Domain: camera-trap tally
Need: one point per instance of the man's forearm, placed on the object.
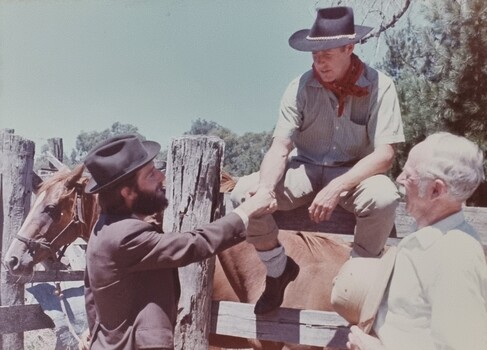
(271, 170)
(274, 164)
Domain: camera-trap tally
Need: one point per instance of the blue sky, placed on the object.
(71, 66)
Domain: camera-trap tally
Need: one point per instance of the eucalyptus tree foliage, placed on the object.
(86, 140)
(243, 154)
(438, 63)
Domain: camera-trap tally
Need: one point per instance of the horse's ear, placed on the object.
(74, 176)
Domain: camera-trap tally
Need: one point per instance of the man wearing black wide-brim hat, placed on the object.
(131, 280)
(342, 120)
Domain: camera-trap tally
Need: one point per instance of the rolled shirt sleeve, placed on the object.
(386, 125)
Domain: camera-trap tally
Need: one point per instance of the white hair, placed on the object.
(455, 160)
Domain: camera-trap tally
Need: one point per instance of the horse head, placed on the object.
(61, 212)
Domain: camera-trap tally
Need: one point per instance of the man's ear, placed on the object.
(128, 193)
(439, 188)
(349, 48)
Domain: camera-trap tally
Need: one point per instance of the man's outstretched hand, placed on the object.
(261, 203)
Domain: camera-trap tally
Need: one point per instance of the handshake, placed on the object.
(262, 202)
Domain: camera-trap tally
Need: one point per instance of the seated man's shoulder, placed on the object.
(375, 76)
(462, 245)
(302, 80)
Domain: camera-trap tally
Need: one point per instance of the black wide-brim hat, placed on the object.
(113, 160)
(334, 27)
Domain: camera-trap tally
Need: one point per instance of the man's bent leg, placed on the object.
(281, 269)
(262, 233)
(374, 202)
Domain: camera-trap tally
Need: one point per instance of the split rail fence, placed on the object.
(193, 189)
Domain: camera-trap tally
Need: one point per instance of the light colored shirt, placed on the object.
(309, 117)
(437, 298)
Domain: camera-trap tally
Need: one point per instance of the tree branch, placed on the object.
(383, 27)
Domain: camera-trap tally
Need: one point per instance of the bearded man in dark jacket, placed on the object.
(131, 280)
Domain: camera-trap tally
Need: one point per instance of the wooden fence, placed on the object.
(306, 327)
(16, 183)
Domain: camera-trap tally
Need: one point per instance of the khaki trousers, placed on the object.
(373, 202)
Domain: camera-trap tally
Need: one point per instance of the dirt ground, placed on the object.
(43, 339)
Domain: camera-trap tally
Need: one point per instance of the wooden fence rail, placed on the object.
(305, 327)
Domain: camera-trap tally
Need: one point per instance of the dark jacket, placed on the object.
(131, 281)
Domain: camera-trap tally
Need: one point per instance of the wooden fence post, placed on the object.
(16, 163)
(55, 145)
(192, 187)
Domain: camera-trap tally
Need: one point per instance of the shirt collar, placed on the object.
(428, 235)
(362, 81)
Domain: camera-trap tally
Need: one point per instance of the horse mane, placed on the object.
(61, 176)
(227, 183)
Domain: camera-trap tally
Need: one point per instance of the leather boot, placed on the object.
(273, 294)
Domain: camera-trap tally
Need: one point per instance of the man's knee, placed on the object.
(262, 232)
(377, 194)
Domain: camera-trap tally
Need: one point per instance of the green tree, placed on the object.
(87, 139)
(249, 152)
(439, 69)
(410, 66)
(243, 154)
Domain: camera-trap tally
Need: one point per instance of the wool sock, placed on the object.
(274, 260)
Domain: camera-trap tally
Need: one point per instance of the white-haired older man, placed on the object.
(437, 296)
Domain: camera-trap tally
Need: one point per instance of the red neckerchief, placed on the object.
(346, 86)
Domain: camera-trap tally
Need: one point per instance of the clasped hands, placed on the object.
(260, 202)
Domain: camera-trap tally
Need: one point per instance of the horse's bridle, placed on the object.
(77, 220)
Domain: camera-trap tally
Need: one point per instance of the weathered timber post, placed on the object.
(55, 145)
(192, 187)
(16, 163)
